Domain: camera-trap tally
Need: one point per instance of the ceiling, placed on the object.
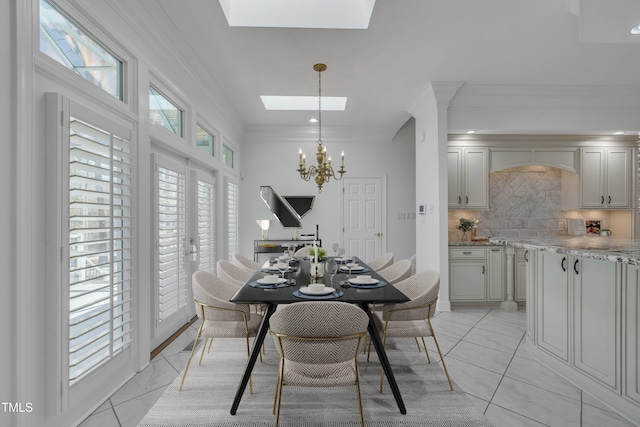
(384, 69)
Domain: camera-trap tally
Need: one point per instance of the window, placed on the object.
(100, 247)
(232, 219)
(68, 44)
(227, 155)
(205, 140)
(164, 113)
(207, 224)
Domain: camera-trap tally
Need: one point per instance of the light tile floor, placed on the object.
(485, 355)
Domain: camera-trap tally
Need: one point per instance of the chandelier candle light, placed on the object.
(323, 171)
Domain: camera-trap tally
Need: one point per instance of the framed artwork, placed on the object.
(592, 226)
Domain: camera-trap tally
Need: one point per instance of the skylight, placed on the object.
(345, 14)
(329, 103)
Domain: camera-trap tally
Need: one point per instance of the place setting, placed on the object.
(272, 281)
(362, 282)
(317, 291)
(353, 268)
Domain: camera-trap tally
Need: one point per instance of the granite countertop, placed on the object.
(474, 243)
(596, 247)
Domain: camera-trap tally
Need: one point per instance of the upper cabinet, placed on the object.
(606, 178)
(468, 173)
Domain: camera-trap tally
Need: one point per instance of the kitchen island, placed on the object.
(583, 316)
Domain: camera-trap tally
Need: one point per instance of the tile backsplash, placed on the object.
(523, 202)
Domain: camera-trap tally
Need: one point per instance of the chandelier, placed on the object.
(323, 171)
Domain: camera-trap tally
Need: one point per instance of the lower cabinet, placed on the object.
(584, 323)
(552, 303)
(596, 316)
(476, 273)
(631, 355)
(521, 262)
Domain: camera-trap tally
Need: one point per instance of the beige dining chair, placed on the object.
(397, 271)
(232, 273)
(318, 343)
(245, 263)
(383, 261)
(412, 319)
(219, 318)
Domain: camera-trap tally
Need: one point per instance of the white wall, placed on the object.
(268, 159)
(7, 211)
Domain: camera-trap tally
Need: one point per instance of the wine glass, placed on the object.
(283, 267)
(335, 248)
(332, 268)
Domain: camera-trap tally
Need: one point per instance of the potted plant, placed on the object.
(466, 225)
(322, 254)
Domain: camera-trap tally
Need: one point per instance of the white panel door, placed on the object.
(364, 228)
(592, 178)
(597, 319)
(619, 178)
(172, 279)
(552, 306)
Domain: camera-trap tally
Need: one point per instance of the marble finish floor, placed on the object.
(485, 355)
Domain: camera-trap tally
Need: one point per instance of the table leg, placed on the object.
(382, 356)
(257, 346)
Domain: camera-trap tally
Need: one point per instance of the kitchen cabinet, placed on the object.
(631, 316)
(596, 316)
(476, 274)
(606, 177)
(495, 270)
(552, 305)
(521, 273)
(468, 176)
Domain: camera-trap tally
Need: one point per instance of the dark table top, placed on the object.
(284, 295)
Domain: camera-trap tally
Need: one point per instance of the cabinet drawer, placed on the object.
(468, 252)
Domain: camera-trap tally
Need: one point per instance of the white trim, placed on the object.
(24, 212)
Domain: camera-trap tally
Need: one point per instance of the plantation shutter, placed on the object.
(232, 219)
(207, 225)
(100, 247)
(172, 235)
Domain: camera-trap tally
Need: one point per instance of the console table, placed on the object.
(278, 246)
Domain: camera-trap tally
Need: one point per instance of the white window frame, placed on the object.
(51, 68)
(62, 398)
(231, 247)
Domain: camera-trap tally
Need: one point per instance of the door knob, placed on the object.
(378, 234)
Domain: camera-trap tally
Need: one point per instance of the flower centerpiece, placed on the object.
(466, 225)
(322, 254)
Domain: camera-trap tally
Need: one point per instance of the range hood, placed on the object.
(288, 210)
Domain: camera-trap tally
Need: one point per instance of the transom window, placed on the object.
(205, 140)
(163, 112)
(68, 44)
(227, 156)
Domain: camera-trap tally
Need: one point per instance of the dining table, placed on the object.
(259, 290)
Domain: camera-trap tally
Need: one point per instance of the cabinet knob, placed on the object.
(609, 199)
(575, 267)
(564, 259)
(602, 200)
(466, 200)
(483, 269)
(459, 200)
(467, 252)
(525, 255)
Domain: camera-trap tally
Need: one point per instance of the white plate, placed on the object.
(326, 291)
(353, 268)
(271, 280)
(363, 281)
(344, 259)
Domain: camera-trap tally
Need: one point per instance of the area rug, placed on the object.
(209, 389)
